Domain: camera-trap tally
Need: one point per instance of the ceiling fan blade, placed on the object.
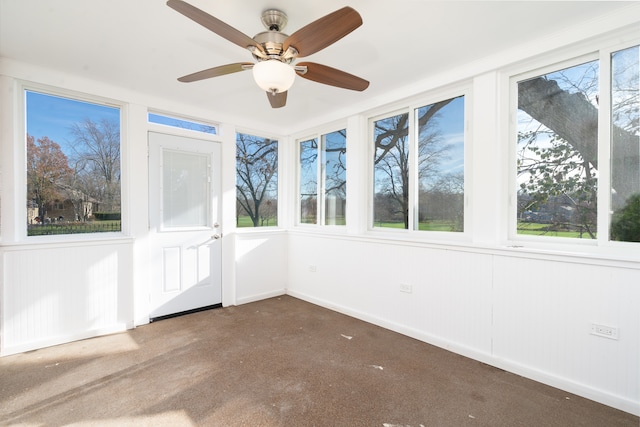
(277, 100)
(222, 29)
(331, 76)
(324, 31)
(216, 71)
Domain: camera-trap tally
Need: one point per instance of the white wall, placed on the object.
(64, 292)
(522, 312)
(542, 312)
(261, 265)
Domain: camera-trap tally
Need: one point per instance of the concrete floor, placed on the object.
(278, 362)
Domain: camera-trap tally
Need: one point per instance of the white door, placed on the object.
(184, 205)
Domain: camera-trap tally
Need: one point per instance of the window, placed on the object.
(441, 165)
(256, 181)
(73, 166)
(186, 187)
(561, 150)
(323, 184)
(391, 171)
(182, 123)
(557, 127)
(309, 181)
(419, 168)
(625, 145)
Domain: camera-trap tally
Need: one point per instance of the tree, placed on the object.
(444, 201)
(391, 165)
(97, 161)
(256, 176)
(625, 118)
(48, 173)
(336, 153)
(573, 116)
(559, 179)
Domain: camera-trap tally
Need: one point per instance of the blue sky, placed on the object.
(451, 125)
(53, 116)
(181, 123)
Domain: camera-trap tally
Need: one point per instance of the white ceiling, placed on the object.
(143, 46)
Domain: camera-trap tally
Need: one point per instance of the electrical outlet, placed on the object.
(604, 331)
(406, 288)
(312, 269)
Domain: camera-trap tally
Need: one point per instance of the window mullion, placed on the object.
(604, 149)
(322, 173)
(413, 170)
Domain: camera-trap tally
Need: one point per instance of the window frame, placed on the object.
(462, 89)
(20, 173)
(179, 117)
(600, 51)
(279, 183)
(513, 152)
(319, 136)
(298, 210)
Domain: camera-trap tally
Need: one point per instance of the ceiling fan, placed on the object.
(275, 52)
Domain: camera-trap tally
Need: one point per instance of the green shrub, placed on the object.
(625, 225)
(106, 216)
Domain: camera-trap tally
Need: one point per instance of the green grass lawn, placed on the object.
(524, 228)
(436, 226)
(536, 229)
(388, 224)
(422, 226)
(245, 221)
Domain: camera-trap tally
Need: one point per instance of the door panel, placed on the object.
(185, 265)
(171, 280)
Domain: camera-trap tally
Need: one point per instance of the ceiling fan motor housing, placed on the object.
(272, 42)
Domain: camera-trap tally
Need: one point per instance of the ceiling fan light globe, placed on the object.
(273, 75)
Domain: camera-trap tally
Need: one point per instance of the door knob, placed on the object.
(216, 236)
